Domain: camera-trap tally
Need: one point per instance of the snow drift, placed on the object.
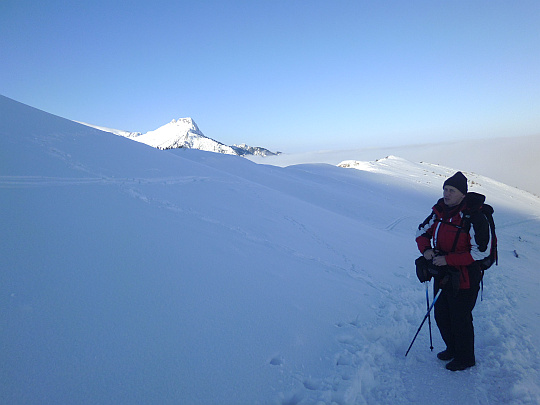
(135, 275)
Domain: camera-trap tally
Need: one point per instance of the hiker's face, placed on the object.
(452, 196)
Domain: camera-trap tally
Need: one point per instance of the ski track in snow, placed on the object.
(43, 181)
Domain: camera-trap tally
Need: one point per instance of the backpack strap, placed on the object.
(454, 246)
(466, 217)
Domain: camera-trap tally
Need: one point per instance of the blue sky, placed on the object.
(288, 75)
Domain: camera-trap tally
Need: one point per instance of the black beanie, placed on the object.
(458, 181)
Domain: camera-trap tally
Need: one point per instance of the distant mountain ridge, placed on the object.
(184, 133)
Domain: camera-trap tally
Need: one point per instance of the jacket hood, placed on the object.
(474, 200)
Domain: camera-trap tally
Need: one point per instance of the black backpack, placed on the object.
(493, 257)
(487, 211)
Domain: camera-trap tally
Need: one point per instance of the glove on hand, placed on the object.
(422, 271)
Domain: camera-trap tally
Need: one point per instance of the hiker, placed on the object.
(452, 239)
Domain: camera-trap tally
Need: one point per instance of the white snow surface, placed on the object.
(132, 275)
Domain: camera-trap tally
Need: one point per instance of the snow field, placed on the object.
(133, 275)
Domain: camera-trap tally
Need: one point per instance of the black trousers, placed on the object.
(453, 314)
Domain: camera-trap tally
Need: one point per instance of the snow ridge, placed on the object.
(244, 149)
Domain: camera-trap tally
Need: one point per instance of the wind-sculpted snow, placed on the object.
(141, 276)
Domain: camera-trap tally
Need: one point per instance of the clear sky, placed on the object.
(288, 75)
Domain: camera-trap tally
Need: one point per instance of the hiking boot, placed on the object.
(458, 365)
(445, 355)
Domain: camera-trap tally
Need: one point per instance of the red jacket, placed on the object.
(462, 244)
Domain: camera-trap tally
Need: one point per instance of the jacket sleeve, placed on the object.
(424, 233)
(480, 237)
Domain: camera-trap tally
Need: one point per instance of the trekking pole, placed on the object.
(429, 319)
(423, 320)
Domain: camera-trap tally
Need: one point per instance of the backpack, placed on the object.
(487, 211)
(493, 257)
(484, 264)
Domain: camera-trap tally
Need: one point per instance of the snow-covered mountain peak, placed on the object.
(187, 122)
(178, 126)
(184, 133)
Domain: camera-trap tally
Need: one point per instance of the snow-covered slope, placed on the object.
(135, 275)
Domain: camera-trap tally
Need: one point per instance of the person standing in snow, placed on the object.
(451, 247)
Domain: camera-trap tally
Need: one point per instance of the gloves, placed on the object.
(422, 271)
(426, 270)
